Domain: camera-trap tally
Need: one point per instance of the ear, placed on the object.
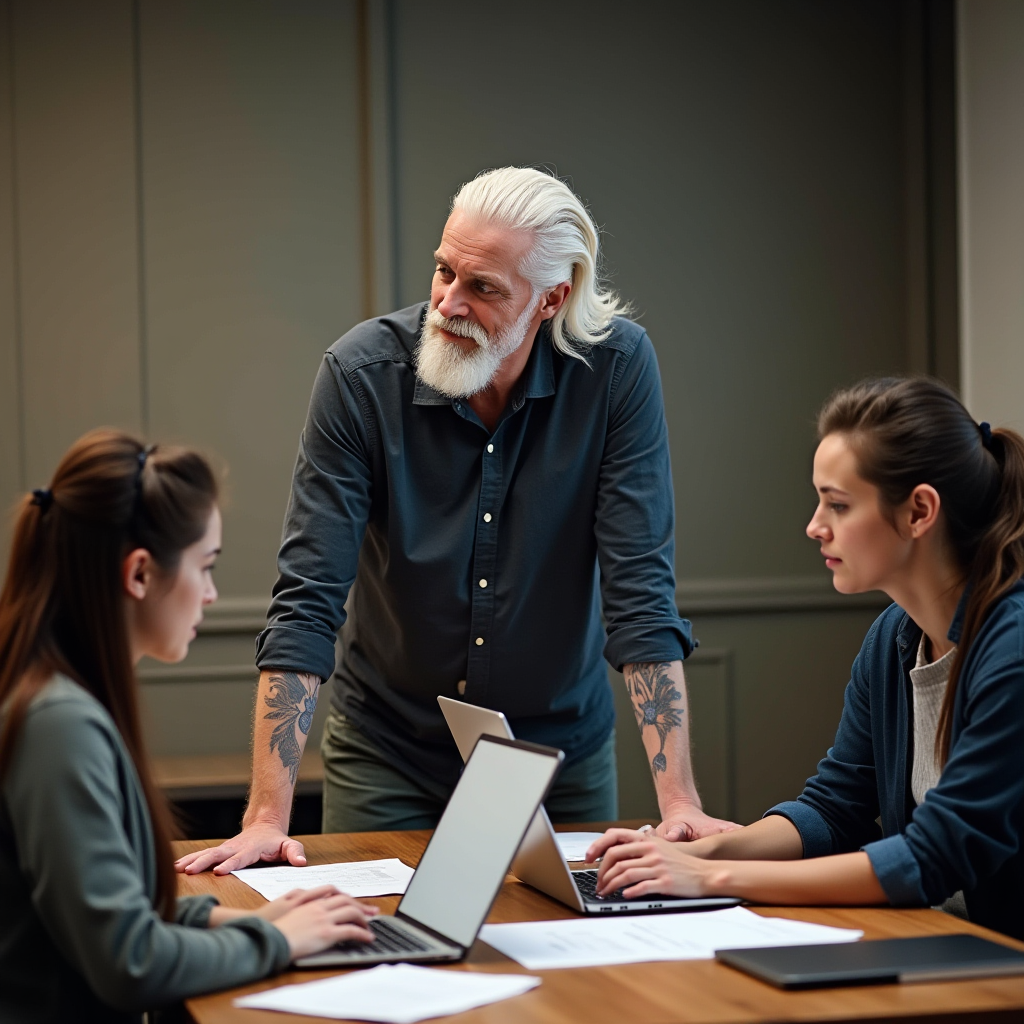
(137, 573)
(923, 507)
(554, 299)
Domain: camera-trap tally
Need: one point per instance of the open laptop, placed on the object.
(539, 862)
(465, 862)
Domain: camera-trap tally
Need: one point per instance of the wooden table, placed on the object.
(654, 993)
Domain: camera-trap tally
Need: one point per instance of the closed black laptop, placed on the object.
(878, 962)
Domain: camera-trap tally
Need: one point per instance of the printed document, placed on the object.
(396, 993)
(629, 940)
(574, 845)
(357, 878)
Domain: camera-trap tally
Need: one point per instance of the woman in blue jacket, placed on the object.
(111, 563)
(918, 500)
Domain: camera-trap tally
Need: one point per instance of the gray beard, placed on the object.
(446, 368)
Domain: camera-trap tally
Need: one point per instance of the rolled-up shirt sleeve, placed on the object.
(635, 522)
(323, 528)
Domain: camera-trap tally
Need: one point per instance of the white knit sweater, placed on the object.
(929, 683)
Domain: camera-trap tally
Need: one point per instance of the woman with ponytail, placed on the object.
(111, 563)
(920, 801)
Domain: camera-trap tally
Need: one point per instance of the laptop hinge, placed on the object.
(436, 936)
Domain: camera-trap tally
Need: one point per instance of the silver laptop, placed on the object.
(540, 862)
(465, 862)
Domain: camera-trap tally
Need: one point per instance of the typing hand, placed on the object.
(298, 897)
(257, 842)
(319, 923)
(640, 863)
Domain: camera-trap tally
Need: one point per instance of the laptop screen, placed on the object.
(465, 863)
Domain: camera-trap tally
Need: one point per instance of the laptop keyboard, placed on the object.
(586, 882)
(388, 940)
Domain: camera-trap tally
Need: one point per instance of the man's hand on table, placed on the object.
(257, 842)
(686, 822)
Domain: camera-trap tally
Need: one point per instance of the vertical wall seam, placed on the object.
(963, 184)
(140, 223)
(928, 130)
(391, 77)
(365, 144)
(19, 355)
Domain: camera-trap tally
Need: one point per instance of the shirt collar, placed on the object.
(908, 636)
(537, 381)
(957, 626)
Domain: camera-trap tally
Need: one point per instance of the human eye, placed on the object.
(441, 269)
(837, 506)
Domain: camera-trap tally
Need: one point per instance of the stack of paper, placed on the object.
(357, 878)
(621, 940)
(574, 845)
(396, 993)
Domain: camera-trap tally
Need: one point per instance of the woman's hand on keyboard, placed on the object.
(322, 921)
(642, 863)
(296, 898)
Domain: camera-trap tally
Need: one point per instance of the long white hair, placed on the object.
(566, 247)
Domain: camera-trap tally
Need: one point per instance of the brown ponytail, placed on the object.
(62, 607)
(906, 432)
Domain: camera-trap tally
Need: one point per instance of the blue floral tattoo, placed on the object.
(654, 697)
(292, 702)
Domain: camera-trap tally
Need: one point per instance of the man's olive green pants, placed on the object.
(364, 793)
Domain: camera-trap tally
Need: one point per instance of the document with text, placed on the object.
(398, 994)
(627, 940)
(357, 878)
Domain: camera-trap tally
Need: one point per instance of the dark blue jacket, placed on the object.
(967, 832)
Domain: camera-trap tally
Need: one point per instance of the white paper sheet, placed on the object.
(357, 878)
(395, 993)
(574, 845)
(621, 940)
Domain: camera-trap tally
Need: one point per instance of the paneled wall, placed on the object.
(196, 199)
(991, 88)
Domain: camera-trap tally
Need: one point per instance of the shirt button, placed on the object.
(479, 641)
(490, 448)
(461, 687)
(487, 517)
(483, 584)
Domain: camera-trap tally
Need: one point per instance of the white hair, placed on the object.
(566, 247)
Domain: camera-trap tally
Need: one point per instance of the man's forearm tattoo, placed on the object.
(291, 701)
(654, 697)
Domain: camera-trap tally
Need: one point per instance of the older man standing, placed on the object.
(477, 478)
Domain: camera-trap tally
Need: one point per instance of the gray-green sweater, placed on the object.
(79, 938)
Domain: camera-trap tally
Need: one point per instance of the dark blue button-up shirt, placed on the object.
(477, 564)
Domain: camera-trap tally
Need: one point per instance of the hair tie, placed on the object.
(43, 497)
(986, 434)
(142, 456)
(145, 454)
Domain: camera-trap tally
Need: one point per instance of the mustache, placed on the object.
(458, 326)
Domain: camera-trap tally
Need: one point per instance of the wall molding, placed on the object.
(753, 595)
(242, 672)
(235, 615)
(739, 596)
